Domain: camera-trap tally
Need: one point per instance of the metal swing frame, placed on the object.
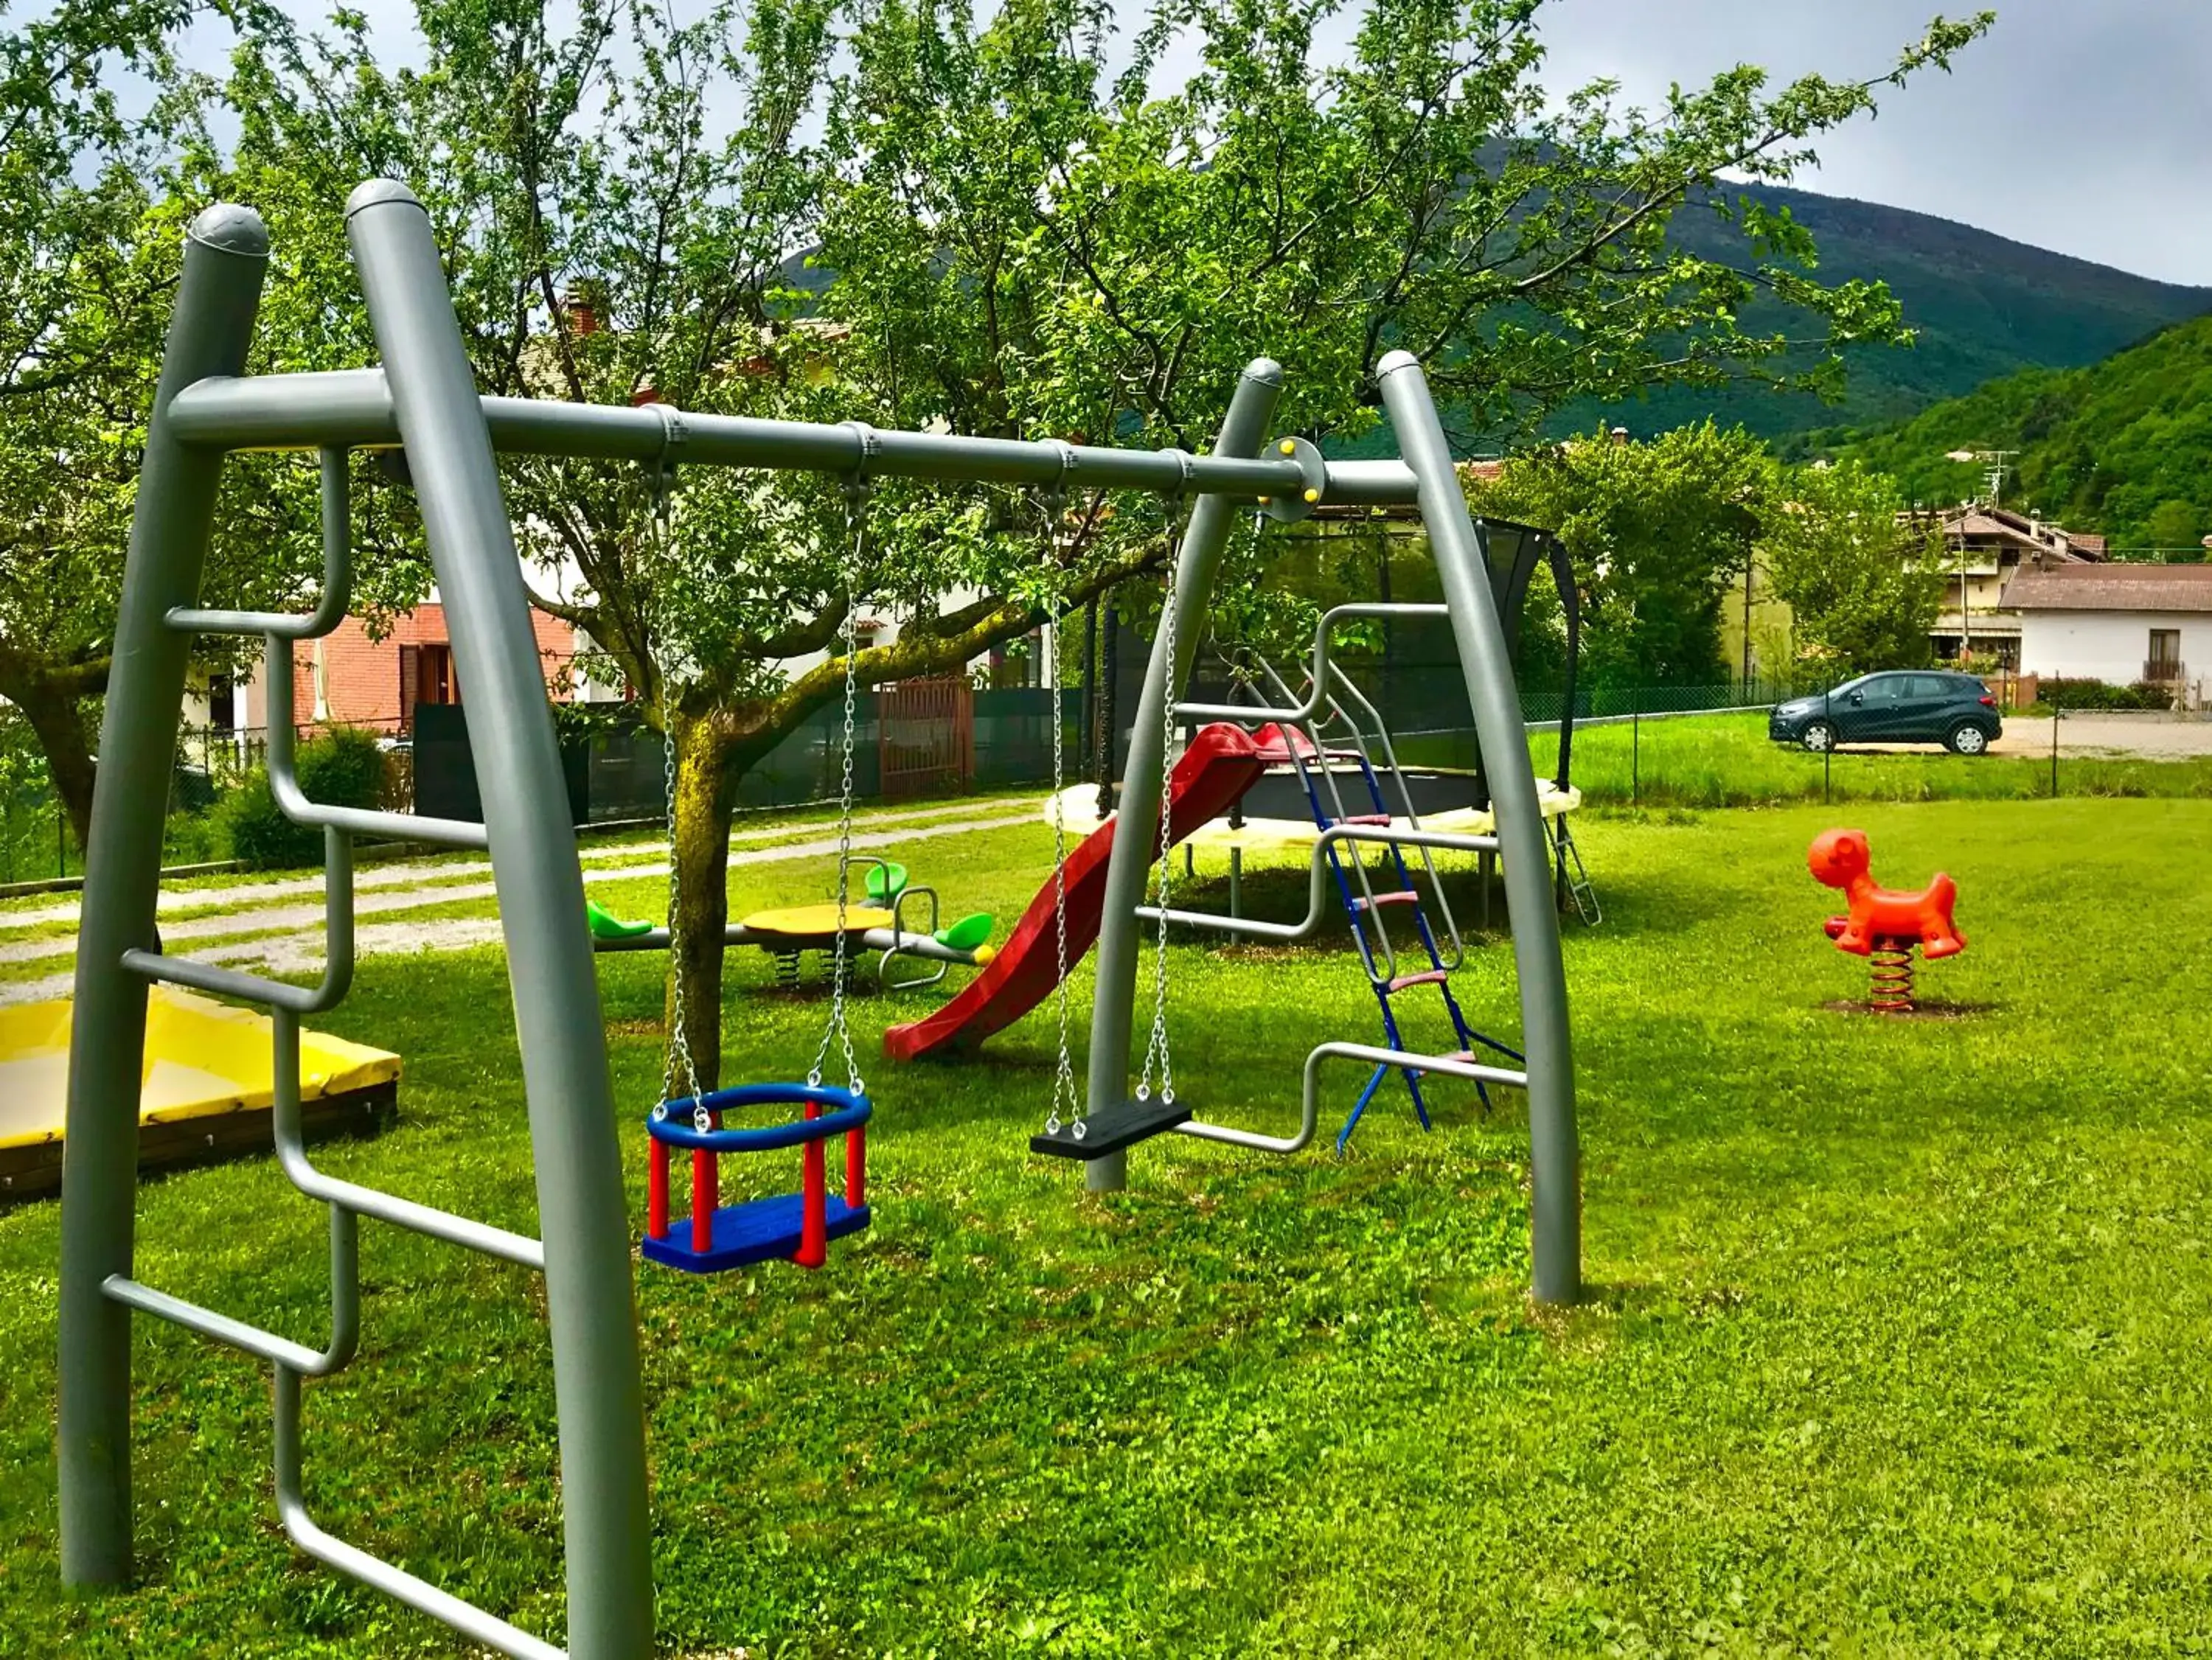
(1471, 604)
(423, 399)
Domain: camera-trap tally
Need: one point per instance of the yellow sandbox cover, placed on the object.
(202, 1058)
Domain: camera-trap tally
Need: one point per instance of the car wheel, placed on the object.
(1818, 737)
(1967, 739)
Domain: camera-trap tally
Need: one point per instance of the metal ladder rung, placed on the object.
(229, 982)
(1449, 841)
(391, 826)
(1401, 896)
(1371, 820)
(469, 1234)
(1454, 1066)
(374, 1571)
(1580, 889)
(1426, 977)
(292, 801)
(267, 1345)
(484, 1238)
(427, 1220)
(338, 575)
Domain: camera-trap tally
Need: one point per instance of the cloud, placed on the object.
(2078, 125)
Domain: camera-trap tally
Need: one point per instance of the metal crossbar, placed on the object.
(284, 781)
(355, 408)
(397, 1583)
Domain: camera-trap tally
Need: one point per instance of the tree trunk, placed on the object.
(57, 717)
(700, 840)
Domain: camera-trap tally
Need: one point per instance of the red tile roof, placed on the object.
(2110, 588)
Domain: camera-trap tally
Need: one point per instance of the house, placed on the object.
(1986, 549)
(2124, 624)
(349, 678)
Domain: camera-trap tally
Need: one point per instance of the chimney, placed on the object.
(583, 308)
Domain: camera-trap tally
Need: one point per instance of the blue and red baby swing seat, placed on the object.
(797, 1226)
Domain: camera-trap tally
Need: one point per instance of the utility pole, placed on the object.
(1750, 564)
(1998, 461)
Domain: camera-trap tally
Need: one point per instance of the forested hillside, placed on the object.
(1985, 306)
(2124, 447)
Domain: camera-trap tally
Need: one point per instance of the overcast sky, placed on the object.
(2081, 125)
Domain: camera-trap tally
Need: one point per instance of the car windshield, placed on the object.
(1850, 686)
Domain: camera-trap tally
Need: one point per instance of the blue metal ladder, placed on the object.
(1364, 908)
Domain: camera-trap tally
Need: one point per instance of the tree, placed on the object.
(2175, 528)
(1012, 240)
(1864, 587)
(1656, 530)
(93, 198)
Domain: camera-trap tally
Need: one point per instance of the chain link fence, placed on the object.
(1645, 747)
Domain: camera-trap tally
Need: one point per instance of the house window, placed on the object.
(426, 676)
(2164, 663)
(1018, 662)
(221, 708)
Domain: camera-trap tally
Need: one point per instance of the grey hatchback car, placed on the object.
(1923, 707)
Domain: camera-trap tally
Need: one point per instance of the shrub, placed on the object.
(345, 769)
(193, 838)
(2060, 693)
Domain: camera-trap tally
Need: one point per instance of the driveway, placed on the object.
(2148, 738)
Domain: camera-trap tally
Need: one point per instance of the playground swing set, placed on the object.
(422, 400)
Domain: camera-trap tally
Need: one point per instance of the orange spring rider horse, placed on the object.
(1884, 923)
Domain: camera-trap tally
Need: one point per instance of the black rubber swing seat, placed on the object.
(1111, 1128)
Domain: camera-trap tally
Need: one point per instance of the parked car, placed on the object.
(1923, 707)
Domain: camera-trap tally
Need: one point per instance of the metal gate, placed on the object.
(926, 737)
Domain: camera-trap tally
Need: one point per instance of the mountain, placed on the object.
(1985, 306)
(2124, 447)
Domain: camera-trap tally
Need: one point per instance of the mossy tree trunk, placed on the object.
(700, 854)
(53, 701)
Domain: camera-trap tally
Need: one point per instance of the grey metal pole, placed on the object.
(226, 257)
(1087, 747)
(1136, 831)
(581, 1210)
(1110, 654)
(1555, 1158)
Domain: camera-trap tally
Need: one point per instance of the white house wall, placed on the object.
(2108, 645)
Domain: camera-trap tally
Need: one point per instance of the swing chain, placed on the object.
(677, 1063)
(1053, 502)
(1156, 1047)
(858, 488)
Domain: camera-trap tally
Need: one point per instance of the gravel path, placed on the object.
(2148, 737)
(416, 872)
(2106, 736)
(299, 946)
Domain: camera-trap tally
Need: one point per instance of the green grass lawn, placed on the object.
(1898, 1339)
(1727, 760)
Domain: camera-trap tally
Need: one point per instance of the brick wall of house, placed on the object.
(357, 679)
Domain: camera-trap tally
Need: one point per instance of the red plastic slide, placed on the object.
(1221, 762)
